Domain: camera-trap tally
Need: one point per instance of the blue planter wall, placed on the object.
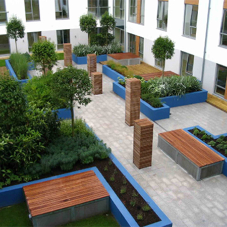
(111, 73)
(224, 170)
(83, 60)
(13, 74)
(64, 114)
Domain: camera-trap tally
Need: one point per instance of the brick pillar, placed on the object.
(91, 63)
(42, 38)
(142, 145)
(67, 54)
(96, 79)
(132, 101)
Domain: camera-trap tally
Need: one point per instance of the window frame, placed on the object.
(216, 85)
(190, 26)
(33, 38)
(121, 9)
(31, 12)
(222, 25)
(62, 18)
(4, 12)
(161, 62)
(129, 46)
(8, 45)
(98, 7)
(163, 11)
(141, 52)
(134, 14)
(142, 21)
(122, 33)
(187, 64)
(62, 38)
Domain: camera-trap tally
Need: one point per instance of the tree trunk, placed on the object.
(72, 117)
(16, 45)
(163, 68)
(89, 39)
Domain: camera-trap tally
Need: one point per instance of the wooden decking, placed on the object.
(149, 76)
(64, 192)
(122, 56)
(194, 150)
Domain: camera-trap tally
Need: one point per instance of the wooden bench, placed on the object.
(195, 157)
(63, 200)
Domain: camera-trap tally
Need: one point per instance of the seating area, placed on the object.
(193, 156)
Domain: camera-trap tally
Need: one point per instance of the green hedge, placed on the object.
(82, 50)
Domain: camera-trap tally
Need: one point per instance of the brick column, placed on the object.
(91, 63)
(42, 38)
(132, 101)
(142, 145)
(67, 54)
(96, 79)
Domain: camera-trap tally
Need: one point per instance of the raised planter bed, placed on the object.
(111, 73)
(224, 170)
(14, 194)
(151, 112)
(64, 113)
(83, 60)
(13, 74)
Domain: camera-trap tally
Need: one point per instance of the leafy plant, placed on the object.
(110, 162)
(19, 63)
(88, 24)
(220, 139)
(196, 132)
(121, 81)
(112, 178)
(44, 55)
(163, 49)
(106, 168)
(140, 217)
(73, 86)
(146, 208)
(123, 190)
(124, 180)
(153, 101)
(115, 171)
(133, 203)
(83, 50)
(134, 193)
(15, 29)
(212, 143)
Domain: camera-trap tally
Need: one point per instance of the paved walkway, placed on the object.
(184, 200)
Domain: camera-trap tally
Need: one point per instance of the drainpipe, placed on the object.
(125, 38)
(205, 46)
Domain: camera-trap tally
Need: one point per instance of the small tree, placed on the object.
(43, 54)
(72, 85)
(88, 24)
(108, 24)
(15, 29)
(163, 49)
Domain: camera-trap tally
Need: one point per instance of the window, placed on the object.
(132, 43)
(142, 13)
(158, 63)
(187, 62)
(223, 40)
(3, 13)
(220, 87)
(32, 9)
(119, 36)
(4, 44)
(132, 10)
(62, 37)
(33, 37)
(162, 16)
(61, 9)
(119, 9)
(141, 44)
(190, 20)
(97, 7)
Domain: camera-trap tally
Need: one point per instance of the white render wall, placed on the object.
(48, 24)
(214, 54)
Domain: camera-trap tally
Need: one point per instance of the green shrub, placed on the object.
(123, 70)
(19, 62)
(38, 90)
(196, 131)
(83, 50)
(153, 101)
(146, 208)
(123, 190)
(212, 143)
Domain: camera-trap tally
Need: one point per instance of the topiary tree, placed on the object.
(108, 24)
(163, 49)
(88, 24)
(43, 54)
(15, 29)
(73, 86)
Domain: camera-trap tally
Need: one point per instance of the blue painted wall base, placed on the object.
(83, 60)
(224, 170)
(64, 113)
(111, 73)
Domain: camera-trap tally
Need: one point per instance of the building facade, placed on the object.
(197, 27)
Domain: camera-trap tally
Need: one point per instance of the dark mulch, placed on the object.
(108, 169)
(209, 140)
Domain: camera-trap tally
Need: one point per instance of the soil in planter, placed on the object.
(129, 197)
(214, 143)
